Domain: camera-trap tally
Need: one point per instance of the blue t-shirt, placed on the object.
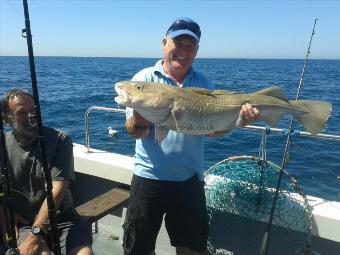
(179, 156)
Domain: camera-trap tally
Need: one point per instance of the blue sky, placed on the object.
(230, 29)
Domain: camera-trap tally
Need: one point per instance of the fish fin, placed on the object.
(176, 115)
(160, 133)
(312, 114)
(271, 119)
(207, 92)
(274, 91)
(200, 91)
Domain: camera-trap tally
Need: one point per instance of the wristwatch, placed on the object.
(36, 230)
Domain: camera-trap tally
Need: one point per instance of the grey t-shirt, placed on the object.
(27, 175)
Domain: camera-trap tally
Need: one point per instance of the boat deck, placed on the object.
(103, 171)
(108, 240)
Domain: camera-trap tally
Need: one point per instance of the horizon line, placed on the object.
(245, 58)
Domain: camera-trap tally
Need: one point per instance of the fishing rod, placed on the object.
(54, 234)
(266, 236)
(6, 194)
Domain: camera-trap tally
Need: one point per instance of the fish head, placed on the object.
(137, 94)
(151, 100)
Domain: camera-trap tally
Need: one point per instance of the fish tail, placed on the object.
(312, 114)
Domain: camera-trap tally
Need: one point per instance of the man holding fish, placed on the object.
(168, 177)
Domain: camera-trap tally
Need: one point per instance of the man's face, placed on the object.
(22, 116)
(179, 53)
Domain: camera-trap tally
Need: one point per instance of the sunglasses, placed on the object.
(183, 25)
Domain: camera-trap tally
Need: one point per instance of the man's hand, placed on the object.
(248, 114)
(31, 245)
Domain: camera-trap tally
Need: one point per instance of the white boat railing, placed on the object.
(87, 120)
(297, 132)
(264, 130)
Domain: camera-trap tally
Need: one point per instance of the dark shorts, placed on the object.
(184, 206)
(79, 234)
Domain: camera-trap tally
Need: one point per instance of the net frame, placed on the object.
(290, 191)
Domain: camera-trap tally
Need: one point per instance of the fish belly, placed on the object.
(203, 120)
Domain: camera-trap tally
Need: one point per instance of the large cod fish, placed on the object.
(201, 111)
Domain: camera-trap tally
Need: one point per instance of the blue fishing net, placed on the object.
(239, 193)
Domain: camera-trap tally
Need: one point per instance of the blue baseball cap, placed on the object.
(184, 26)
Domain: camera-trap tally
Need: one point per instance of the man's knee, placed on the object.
(82, 250)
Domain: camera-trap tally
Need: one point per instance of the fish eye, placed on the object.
(139, 87)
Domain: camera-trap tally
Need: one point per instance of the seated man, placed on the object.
(28, 181)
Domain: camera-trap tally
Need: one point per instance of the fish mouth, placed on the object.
(122, 96)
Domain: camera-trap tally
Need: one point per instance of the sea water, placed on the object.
(68, 86)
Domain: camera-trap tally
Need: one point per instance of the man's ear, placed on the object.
(164, 42)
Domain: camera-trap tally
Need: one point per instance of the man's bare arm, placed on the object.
(31, 243)
(137, 126)
(58, 193)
